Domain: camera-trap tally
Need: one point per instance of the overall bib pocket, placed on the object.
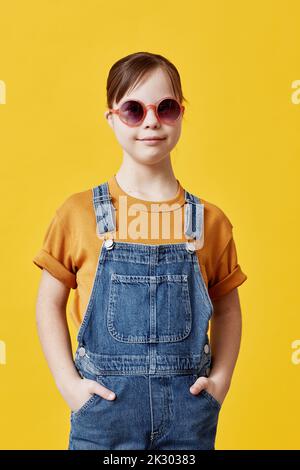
(149, 309)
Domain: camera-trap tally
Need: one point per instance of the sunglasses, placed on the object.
(133, 112)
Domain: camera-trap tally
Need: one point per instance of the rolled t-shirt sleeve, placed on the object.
(56, 252)
(227, 273)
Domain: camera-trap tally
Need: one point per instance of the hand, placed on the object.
(214, 386)
(79, 390)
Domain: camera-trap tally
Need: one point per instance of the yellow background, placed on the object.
(239, 149)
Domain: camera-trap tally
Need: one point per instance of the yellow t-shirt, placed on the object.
(71, 246)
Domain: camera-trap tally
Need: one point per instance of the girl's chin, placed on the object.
(151, 159)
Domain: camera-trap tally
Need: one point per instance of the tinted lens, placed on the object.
(168, 110)
(131, 112)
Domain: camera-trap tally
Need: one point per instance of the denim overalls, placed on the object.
(144, 336)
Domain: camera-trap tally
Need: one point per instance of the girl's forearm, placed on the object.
(56, 343)
(225, 338)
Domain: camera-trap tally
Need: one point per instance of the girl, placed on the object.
(151, 265)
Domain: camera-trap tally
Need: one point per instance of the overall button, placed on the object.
(81, 352)
(190, 247)
(109, 243)
(206, 349)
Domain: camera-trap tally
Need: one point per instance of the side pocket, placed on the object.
(95, 398)
(212, 400)
(208, 396)
(86, 405)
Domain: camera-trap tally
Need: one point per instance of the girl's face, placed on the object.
(155, 86)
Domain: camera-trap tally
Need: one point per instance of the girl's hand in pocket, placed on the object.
(80, 390)
(213, 386)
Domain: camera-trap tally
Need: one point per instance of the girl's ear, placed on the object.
(108, 117)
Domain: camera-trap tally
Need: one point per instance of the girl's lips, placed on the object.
(151, 139)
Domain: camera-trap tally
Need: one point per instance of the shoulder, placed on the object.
(75, 202)
(76, 206)
(217, 230)
(215, 218)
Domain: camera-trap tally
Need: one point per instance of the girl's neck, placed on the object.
(147, 184)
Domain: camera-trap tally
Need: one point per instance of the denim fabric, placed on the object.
(144, 336)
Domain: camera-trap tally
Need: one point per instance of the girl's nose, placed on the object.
(150, 117)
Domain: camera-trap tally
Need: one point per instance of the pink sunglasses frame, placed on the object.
(145, 107)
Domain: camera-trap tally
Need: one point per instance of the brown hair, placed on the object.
(128, 71)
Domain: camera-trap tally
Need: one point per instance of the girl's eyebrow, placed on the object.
(123, 100)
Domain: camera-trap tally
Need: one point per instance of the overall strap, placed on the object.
(106, 213)
(104, 210)
(193, 216)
